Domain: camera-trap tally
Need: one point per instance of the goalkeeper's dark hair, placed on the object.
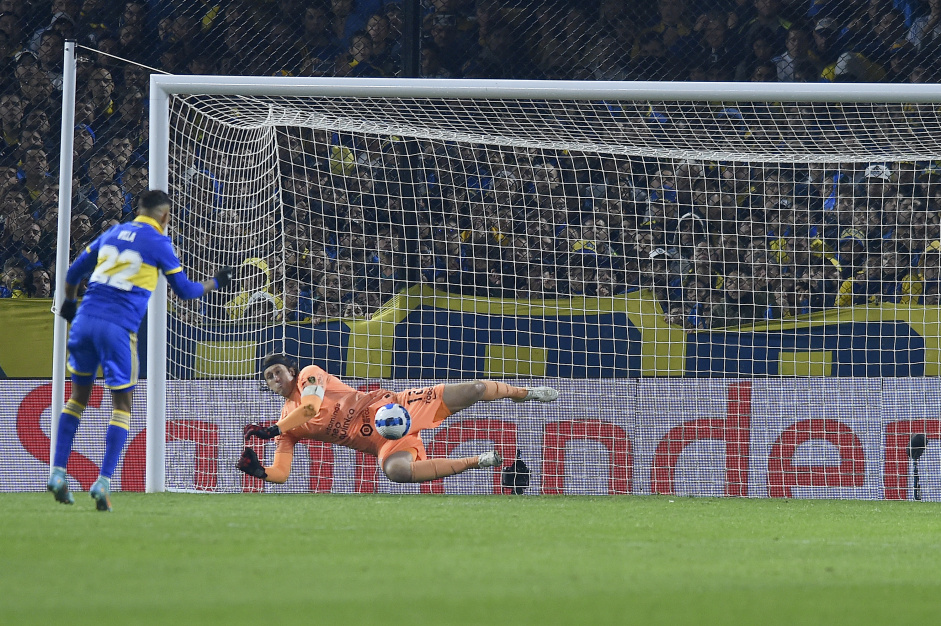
(278, 358)
(151, 200)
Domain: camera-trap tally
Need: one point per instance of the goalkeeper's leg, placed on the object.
(401, 467)
(462, 395)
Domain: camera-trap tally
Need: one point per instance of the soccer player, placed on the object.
(123, 263)
(317, 405)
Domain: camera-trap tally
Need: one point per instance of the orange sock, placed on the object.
(497, 391)
(431, 469)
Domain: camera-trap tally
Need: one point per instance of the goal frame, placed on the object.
(162, 87)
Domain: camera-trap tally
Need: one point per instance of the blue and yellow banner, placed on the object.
(422, 333)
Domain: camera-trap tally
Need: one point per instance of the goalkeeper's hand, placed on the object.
(223, 277)
(68, 309)
(250, 464)
(262, 432)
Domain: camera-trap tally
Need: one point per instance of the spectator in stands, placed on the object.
(121, 149)
(921, 285)
(888, 33)
(11, 120)
(298, 304)
(672, 28)
(136, 178)
(500, 56)
(319, 46)
(925, 29)
(357, 60)
(50, 56)
(39, 283)
(99, 93)
(386, 49)
(717, 54)
(903, 58)
(651, 60)
(35, 87)
(740, 305)
(431, 62)
(763, 73)
(10, 25)
(767, 15)
(255, 301)
(27, 251)
(797, 51)
(15, 210)
(83, 144)
(38, 120)
(758, 52)
(62, 16)
(101, 171)
(12, 280)
(35, 171)
(350, 16)
(134, 15)
(606, 59)
(111, 203)
(82, 233)
(98, 17)
(129, 124)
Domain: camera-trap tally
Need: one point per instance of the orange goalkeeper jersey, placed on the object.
(345, 416)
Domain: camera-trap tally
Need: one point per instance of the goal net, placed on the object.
(727, 286)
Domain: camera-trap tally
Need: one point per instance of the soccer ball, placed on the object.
(393, 421)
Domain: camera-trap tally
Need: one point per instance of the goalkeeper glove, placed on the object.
(223, 277)
(249, 464)
(262, 432)
(68, 309)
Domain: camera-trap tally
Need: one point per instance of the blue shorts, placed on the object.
(93, 342)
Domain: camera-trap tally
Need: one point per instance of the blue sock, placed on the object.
(68, 423)
(114, 441)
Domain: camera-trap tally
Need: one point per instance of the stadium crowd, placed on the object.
(718, 244)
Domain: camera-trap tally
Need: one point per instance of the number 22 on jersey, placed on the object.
(117, 268)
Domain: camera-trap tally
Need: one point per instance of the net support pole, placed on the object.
(59, 326)
(156, 475)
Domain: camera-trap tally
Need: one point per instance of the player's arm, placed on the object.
(183, 286)
(80, 268)
(311, 400)
(278, 471)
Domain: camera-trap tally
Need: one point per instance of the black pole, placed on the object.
(916, 447)
(411, 38)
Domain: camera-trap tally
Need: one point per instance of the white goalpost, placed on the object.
(600, 233)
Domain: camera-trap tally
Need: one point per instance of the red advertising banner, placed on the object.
(783, 438)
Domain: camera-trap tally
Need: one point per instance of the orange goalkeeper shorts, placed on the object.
(427, 408)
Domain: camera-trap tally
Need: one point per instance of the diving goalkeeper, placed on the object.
(317, 405)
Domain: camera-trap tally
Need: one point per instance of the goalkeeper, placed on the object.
(317, 405)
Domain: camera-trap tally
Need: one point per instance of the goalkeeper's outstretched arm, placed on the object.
(277, 472)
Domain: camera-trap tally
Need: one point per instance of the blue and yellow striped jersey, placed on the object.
(123, 263)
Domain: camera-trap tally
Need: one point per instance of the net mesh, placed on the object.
(404, 242)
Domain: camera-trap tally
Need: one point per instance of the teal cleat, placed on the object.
(101, 494)
(59, 486)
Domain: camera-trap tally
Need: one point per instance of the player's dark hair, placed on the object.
(151, 199)
(278, 358)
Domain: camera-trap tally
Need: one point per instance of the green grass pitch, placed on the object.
(331, 559)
